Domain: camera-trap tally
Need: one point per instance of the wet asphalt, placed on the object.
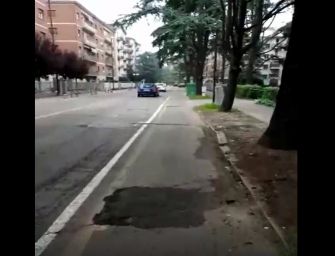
(171, 193)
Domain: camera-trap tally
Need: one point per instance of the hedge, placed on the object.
(270, 93)
(256, 92)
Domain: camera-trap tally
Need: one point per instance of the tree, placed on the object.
(148, 67)
(235, 45)
(185, 33)
(48, 58)
(130, 73)
(255, 37)
(282, 132)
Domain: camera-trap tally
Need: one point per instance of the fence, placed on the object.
(44, 88)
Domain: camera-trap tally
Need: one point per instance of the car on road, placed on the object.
(147, 89)
(161, 87)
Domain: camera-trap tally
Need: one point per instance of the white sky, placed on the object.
(110, 10)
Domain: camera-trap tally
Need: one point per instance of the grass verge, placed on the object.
(207, 107)
(199, 97)
(266, 102)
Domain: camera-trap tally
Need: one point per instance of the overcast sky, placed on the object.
(110, 10)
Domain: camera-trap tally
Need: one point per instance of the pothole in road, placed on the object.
(146, 207)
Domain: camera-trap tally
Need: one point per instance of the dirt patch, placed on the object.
(273, 173)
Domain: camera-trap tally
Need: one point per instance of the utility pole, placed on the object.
(53, 42)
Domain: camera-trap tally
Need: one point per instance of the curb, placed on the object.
(238, 173)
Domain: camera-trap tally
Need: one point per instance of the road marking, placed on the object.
(64, 111)
(44, 241)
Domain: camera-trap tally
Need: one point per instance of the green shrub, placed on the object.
(207, 107)
(242, 90)
(255, 93)
(266, 102)
(270, 93)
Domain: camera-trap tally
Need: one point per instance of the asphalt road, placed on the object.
(74, 138)
(171, 193)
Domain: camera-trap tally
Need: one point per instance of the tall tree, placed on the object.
(185, 33)
(258, 7)
(234, 44)
(148, 67)
(282, 132)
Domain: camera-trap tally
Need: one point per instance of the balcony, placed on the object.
(109, 61)
(90, 42)
(108, 39)
(109, 52)
(274, 75)
(89, 28)
(90, 57)
(274, 65)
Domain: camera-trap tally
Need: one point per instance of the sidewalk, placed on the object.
(249, 107)
(271, 173)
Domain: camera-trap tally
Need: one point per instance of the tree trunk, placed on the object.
(39, 85)
(57, 85)
(256, 32)
(76, 89)
(250, 67)
(230, 89)
(223, 68)
(282, 131)
(199, 77)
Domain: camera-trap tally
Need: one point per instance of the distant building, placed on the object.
(41, 18)
(78, 30)
(127, 53)
(270, 65)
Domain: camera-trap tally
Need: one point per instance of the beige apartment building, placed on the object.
(41, 18)
(78, 30)
(127, 54)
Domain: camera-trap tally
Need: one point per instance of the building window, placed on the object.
(77, 16)
(98, 68)
(52, 13)
(53, 31)
(41, 14)
(78, 32)
(265, 66)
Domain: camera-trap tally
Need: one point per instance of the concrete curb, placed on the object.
(238, 173)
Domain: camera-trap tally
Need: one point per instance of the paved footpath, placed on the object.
(249, 107)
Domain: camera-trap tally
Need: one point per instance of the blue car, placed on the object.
(147, 89)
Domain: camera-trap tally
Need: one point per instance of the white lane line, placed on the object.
(65, 111)
(72, 208)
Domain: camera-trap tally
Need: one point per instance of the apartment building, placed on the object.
(270, 65)
(41, 18)
(78, 30)
(209, 69)
(127, 53)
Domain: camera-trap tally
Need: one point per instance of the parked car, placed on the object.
(161, 87)
(147, 89)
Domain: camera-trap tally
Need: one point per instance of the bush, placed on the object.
(266, 102)
(249, 91)
(257, 92)
(270, 93)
